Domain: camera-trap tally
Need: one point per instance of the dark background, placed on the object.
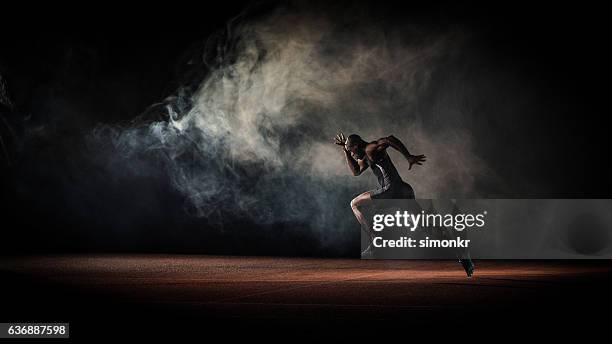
(68, 68)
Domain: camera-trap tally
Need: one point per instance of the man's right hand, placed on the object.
(340, 140)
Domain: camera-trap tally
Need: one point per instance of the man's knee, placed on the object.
(354, 203)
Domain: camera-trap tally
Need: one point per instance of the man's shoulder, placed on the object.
(371, 146)
(376, 144)
(374, 150)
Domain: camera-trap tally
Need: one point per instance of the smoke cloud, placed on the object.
(254, 139)
(236, 156)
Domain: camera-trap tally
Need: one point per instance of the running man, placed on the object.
(360, 155)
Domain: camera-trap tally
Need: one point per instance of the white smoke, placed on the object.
(257, 140)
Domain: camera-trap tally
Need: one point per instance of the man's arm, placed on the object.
(392, 141)
(357, 166)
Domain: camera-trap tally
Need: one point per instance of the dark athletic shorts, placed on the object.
(401, 190)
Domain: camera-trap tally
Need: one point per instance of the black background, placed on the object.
(73, 66)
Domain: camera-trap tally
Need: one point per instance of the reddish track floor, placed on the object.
(265, 287)
(299, 292)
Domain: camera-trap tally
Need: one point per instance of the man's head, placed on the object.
(356, 145)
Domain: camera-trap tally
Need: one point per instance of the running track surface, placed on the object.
(299, 289)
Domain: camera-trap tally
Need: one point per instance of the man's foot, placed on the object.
(468, 266)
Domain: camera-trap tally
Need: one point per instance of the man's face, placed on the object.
(356, 151)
